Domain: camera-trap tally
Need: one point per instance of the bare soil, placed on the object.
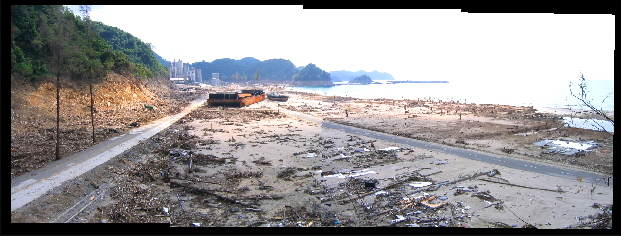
(119, 102)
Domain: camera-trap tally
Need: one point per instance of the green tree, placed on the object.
(85, 10)
(311, 74)
(277, 69)
(136, 51)
(28, 47)
(58, 41)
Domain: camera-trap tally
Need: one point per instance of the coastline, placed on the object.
(549, 95)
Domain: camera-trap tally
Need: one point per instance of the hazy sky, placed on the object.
(409, 44)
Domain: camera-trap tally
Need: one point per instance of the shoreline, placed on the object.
(547, 109)
(560, 111)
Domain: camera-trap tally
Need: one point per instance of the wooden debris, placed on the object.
(522, 186)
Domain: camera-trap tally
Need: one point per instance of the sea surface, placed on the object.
(550, 94)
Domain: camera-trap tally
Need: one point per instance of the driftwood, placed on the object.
(430, 188)
(179, 184)
(180, 204)
(414, 177)
(493, 172)
(211, 192)
(436, 186)
(437, 172)
(522, 186)
(201, 191)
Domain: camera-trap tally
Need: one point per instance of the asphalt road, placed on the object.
(589, 177)
(29, 186)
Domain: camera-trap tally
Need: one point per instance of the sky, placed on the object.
(409, 44)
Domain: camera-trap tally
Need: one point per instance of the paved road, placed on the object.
(29, 186)
(588, 177)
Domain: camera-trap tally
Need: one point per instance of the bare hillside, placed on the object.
(119, 102)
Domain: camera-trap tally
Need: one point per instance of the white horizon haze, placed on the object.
(409, 44)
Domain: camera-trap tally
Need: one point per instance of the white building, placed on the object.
(199, 76)
(176, 69)
(191, 74)
(178, 80)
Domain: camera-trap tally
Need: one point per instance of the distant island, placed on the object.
(363, 79)
(343, 75)
(416, 81)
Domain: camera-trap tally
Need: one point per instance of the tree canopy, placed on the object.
(44, 34)
(137, 52)
(312, 75)
(244, 70)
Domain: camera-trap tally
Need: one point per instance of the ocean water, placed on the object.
(551, 94)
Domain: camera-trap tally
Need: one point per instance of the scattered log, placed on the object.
(201, 191)
(413, 177)
(522, 186)
(180, 204)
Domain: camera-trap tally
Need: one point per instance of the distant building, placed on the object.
(186, 71)
(215, 79)
(190, 74)
(176, 69)
(199, 76)
(178, 80)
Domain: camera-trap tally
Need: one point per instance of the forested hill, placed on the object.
(137, 51)
(49, 40)
(246, 69)
(343, 75)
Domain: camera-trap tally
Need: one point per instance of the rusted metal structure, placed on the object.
(245, 98)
